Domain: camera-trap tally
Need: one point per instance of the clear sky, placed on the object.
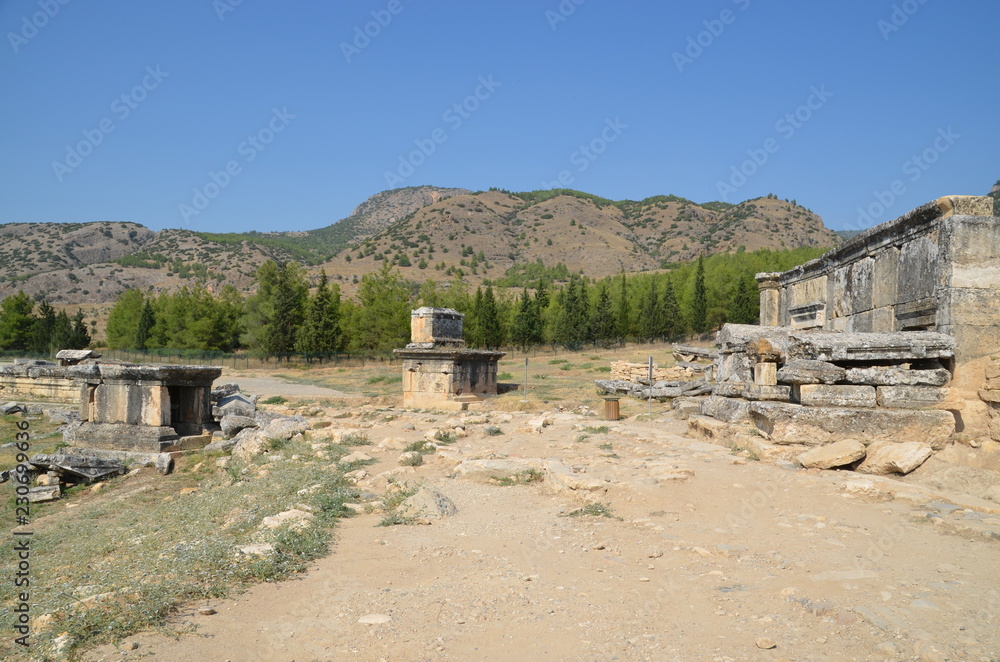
(232, 115)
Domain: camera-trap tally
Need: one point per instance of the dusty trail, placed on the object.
(712, 562)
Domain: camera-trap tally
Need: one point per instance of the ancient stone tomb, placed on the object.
(438, 370)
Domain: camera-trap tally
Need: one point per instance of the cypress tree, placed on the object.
(745, 307)
(699, 302)
(673, 324)
(649, 322)
(147, 320)
(603, 325)
(624, 328)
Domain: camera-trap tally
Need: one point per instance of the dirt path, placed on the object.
(268, 386)
(714, 558)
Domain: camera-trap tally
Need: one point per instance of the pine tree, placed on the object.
(320, 332)
(491, 327)
(603, 325)
(62, 333)
(699, 300)
(524, 331)
(42, 336)
(624, 326)
(673, 324)
(147, 320)
(16, 322)
(382, 317)
(745, 307)
(80, 337)
(649, 321)
(572, 327)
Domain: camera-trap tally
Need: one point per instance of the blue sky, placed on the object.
(229, 116)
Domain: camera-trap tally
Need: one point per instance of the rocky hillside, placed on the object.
(31, 248)
(484, 234)
(429, 233)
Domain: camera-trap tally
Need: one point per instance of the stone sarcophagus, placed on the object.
(142, 407)
(438, 370)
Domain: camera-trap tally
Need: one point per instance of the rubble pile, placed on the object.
(813, 388)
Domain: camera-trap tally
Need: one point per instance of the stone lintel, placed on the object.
(815, 426)
(824, 395)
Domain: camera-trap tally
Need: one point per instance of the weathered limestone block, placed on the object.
(878, 376)
(993, 371)
(765, 374)
(805, 371)
(814, 426)
(838, 454)
(900, 458)
(992, 397)
(234, 405)
(754, 392)
(734, 367)
(726, 409)
(910, 397)
(874, 347)
(231, 425)
(824, 395)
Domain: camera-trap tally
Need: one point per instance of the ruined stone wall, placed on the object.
(936, 268)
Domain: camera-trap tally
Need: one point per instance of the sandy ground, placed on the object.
(715, 557)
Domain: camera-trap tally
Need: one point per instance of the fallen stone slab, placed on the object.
(870, 347)
(11, 408)
(910, 397)
(839, 454)
(815, 426)
(806, 371)
(685, 407)
(739, 338)
(284, 429)
(293, 518)
(824, 395)
(889, 376)
(220, 391)
(43, 494)
(725, 409)
(78, 468)
(900, 458)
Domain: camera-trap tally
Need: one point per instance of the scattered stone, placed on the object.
(205, 611)
(428, 502)
(232, 424)
(294, 518)
(901, 458)
(220, 391)
(838, 454)
(11, 408)
(356, 456)
(766, 644)
(164, 464)
(374, 619)
(488, 471)
(43, 494)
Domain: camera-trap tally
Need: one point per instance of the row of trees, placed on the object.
(25, 327)
(283, 317)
